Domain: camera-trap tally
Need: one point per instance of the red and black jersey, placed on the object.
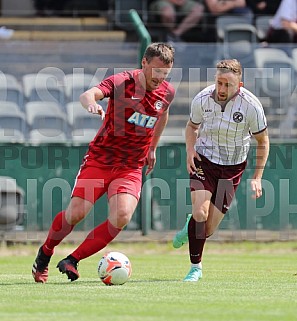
(132, 113)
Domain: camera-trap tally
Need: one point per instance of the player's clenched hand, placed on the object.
(96, 109)
(191, 167)
(256, 186)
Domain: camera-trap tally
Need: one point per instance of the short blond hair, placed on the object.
(230, 65)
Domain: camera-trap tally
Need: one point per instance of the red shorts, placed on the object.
(221, 180)
(92, 182)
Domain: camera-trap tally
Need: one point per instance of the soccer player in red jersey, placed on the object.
(224, 117)
(136, 115)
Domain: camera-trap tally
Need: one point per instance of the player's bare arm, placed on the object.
(89, 101)
(151, 156)
(191, 136)
(261, 159)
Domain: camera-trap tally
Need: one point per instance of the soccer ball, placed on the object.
(114, 268)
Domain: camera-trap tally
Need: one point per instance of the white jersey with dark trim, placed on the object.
(225, 132)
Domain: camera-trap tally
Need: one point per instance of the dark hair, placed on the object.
(161, 50)
(228, 65)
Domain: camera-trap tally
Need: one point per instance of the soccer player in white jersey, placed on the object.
(223, 118)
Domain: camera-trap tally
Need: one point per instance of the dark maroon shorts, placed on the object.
(221, 180)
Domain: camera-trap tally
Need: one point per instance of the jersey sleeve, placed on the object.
(257, 119)
(107, 86)
(196, 116)
(110, 85)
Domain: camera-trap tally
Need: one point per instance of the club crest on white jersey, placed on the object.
(238, 117)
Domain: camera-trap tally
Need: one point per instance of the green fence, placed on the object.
(275, 210)
(47, 173)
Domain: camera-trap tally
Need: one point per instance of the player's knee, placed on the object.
(74, 214)
(122, 219)
(200, 215)
(74, 217)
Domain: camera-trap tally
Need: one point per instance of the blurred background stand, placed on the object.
(11, 206)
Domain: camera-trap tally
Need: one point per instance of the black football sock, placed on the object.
(197, 238)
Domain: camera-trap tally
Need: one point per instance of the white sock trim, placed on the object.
(198, 265)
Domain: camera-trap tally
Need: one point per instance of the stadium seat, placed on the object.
(9, 105)
(239, 42)
(11, 136)
(48, 119)
(262, 24)
(84, 136)
(10, 89)
(263, 55)
(83, 124)
(11, 203)
(40, 136)
(77, 83)
(222, 22)
(294, 58)
(12, 123)
(277, 77)
(43, 87)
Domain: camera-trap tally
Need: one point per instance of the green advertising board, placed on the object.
(47, 175)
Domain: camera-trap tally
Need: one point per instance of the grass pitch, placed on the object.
(241, 282)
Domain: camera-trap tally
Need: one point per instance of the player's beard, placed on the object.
(222, 97)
